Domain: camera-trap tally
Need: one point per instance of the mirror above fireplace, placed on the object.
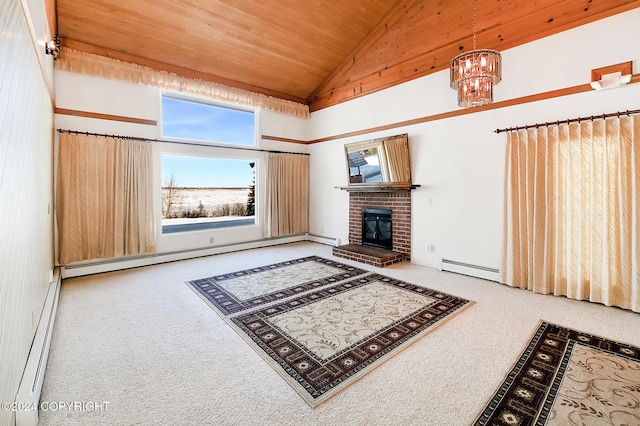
(382, 162)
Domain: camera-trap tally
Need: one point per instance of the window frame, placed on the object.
(168, 145)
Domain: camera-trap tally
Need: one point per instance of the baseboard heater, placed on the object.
(330, 241)
(33, 377)
(477, 271)
(127, 262)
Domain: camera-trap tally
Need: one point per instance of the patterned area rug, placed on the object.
(322, 324)
(239, 291)
(566, 377)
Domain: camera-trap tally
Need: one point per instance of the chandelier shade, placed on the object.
(473, 75)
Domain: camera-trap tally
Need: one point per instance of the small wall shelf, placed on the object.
(389, 187)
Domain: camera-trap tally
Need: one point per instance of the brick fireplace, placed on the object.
(399, 202)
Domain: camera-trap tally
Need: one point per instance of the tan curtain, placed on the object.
(287, 194)
(104, 198)
(572, 211)
(397, 157)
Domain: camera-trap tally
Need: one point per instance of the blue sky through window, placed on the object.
(204, 122)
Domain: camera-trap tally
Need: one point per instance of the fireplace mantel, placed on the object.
(393, 187)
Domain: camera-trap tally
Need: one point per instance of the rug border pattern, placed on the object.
(551, 363)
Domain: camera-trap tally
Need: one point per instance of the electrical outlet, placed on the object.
(431, 248)
(210, 240)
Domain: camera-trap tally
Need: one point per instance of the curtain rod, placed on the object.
(135, 138)
(571, 120)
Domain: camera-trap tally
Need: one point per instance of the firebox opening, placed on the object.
(377, 228)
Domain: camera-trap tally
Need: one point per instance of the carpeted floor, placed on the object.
(321, 341)
(146, 343)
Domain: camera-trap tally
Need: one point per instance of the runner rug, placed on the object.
(566, 377)
(322, 324)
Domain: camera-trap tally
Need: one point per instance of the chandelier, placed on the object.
(474, 73)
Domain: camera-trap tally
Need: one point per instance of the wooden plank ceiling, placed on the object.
(317, 52)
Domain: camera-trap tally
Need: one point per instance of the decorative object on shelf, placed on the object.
(52, 47)
(474, 73)
(612, 76)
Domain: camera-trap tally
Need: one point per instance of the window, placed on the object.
(193, 120)
(207, 188)
(200, 193)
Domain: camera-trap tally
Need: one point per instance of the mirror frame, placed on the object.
(379, 143)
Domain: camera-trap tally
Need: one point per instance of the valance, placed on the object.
(102, 66)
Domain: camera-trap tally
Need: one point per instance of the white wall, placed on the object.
(100, 95)
(459, 162)
(26, 197)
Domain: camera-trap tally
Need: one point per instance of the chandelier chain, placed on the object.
(474, 24)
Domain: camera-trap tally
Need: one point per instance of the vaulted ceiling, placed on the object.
(318, 52)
